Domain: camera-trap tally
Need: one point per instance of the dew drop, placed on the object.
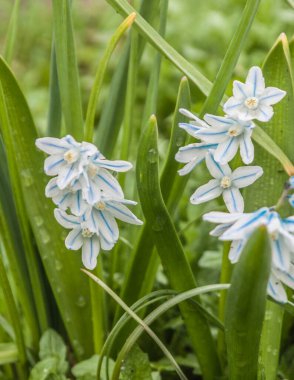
(58, 265)
(81, 302)
(158, 224)
(27, 178)
(38, 220)
(45, 237)
(152, 155)
(78, 347)
(180, 141)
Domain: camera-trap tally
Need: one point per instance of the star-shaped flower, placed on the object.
(229, 133)
(227, 183)
(252, 100)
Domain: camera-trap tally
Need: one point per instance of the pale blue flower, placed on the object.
(67, 158)
(238, 228)
(194, 125)
(251, 100)
(291, 200)
(226, 183)
(230, 134)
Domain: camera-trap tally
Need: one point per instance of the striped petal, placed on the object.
(281, 254)
(52, 190)
(233, 199)
(272, 95)
(67, 174)
(246, 175)
(219, 230)
(264, 113)
(107, 226)
(206, 192)
(219, 121)
(192, 151)
(90, 251)
(276, 290)
(108, 184)
(121, 212)
(288, 224)
(52, 145)
(287, 277)
(222, 217)
(91, 193)
(78, 205)
(215, 169)
(226, 150)
(74, 239)
(117, 166)
(190, 128)
(212, 135)
(233, 105)
(105, 244)
(66, 220)
(236, 250)
(190, 166)
(255, 81)
(241, 91)
(246, 147)
(53, 164)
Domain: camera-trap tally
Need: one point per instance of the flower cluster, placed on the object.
(220, 139)
(83, 184)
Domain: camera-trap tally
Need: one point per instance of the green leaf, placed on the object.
(61, 266)
(87, 369)
(245, 307)
(8, 353)
(12, 32)
(170, 249)
(136, 366)
(47, 369)
(51, 344)
(67, 69)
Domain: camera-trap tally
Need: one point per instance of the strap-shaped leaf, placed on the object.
(245, 307)
(170, 249)
(68, 286)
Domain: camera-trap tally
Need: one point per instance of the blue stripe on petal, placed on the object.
(55, 164)
(252, 220)
(118, 210)
(208, 191)
(106, 223)
(107, 183)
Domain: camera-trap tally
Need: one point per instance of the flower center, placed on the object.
(87, 233)
(251, 103)
(71, 156)
(92, 170)
(235, 130)
(100, 205)
(225, 182)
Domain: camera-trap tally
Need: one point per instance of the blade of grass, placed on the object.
(67, 69)
(115, 375)
(11, 32)
(156, 313)
(170, 249)
(110, 122)
(15, 321)
(8, 353)
(55, 112)
(245, 307)
(19, 135)
(90, 117)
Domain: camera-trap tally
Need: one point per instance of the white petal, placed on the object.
(212, 135)
(107, 226)
(246, 147)
(219, 121)
(226, 150)
(108, 184)
(222, 217)
(219, 230)
(246, 175)
(88, 149)
(63, 200)
(276, 290)
(78, 205)
(287, 278)
(215, 169)
(233, 199)
(117, 166)
(66, 220)
(206, 192)
(74, 239)
(121, 212)
(52, 145)
(288, 223)
(92, 193)
(190, 128)
(264, 113)
(233, 106)
(190, 166)
(272, 95)
(105, 244)
(53, 164)
(291, 200)
(236, 250)
(281, 254)
(246, 224)
(90, 251)
(192, 151)
(241, 91)
(52, 189)
(274, 222)
(256, 81)
(67, 174)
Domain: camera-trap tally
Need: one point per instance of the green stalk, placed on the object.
(91, 110)
(55, 113)
(12, 32)
(15, 320)
(171, 251)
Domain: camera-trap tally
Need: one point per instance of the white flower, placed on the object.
(251, 100)
(194, 125)
(230, 134)
(238, 227)
(71, 197)
(80, 236)
(291, 200)
(67, 158)
(291, 182)
(226, 183)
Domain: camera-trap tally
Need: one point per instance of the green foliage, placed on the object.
(136, 366)
(87, 369)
